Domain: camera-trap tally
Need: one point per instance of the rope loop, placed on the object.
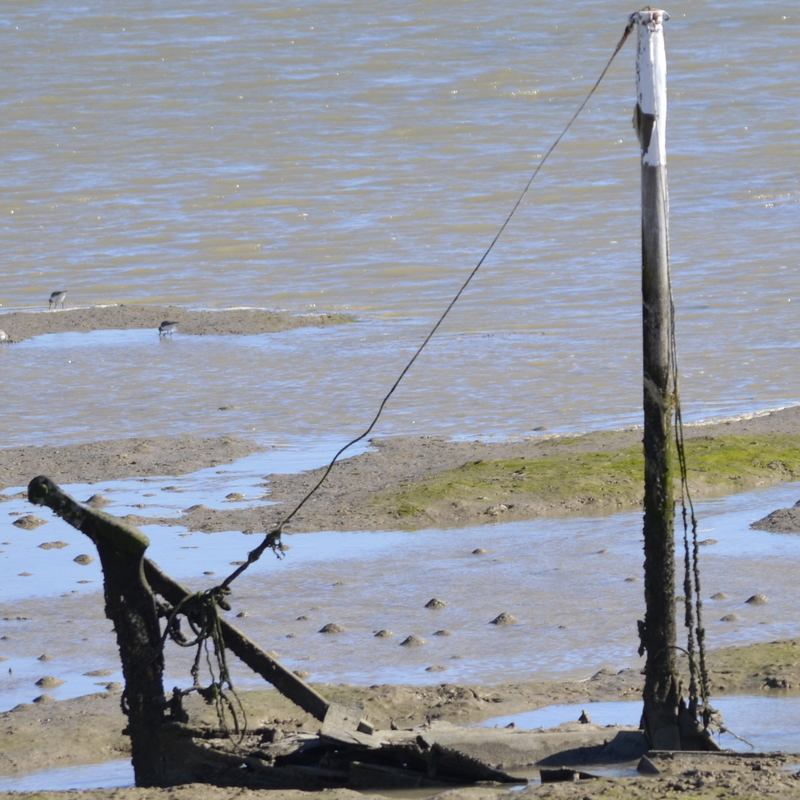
(201, 611)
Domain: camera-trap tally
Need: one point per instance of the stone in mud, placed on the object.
(97, 501)
(242, 615)
(83, 559)
(442, 632)
(113, 687)
(719, 596)
(730, 618)
(413, 641)
(436, 668)
(331, 627)
(303, 674)
(44, 698)
(435, 602)
(53, 545)
(631, 580)
(757, 599)
(707, 542)
(479, 551)
(383, 634)
(497, 510)
(29, 522)
(235, 497)
(505, 619)
(99, 673)
(44, 657)
(302, 618)
(49, 682)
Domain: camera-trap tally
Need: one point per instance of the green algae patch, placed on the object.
(568, 479)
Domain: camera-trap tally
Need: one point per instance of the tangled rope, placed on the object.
(201, 611)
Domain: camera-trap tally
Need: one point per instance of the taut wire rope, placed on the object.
(272, 538)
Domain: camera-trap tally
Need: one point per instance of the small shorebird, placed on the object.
(56, 298)
(167, 327)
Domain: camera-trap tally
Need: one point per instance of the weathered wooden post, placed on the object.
(662, 699)
(132, 608)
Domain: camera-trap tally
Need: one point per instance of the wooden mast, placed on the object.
(662, 698)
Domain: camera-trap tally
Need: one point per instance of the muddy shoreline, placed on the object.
(368, 491)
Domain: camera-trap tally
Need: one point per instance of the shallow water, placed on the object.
(361, 156)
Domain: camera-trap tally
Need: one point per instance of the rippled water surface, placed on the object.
(361, 156)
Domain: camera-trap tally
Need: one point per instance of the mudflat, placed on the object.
(412, 482)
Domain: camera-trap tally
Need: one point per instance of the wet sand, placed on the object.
(21, 325)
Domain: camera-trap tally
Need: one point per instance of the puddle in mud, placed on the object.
(109, 775)
(770, 724)
(572, 584)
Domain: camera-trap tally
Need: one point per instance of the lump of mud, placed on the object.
(98, 501)
(442, 632)
(413, 641)
(731, 618)
(436, 668)
(49, 682)
(83, 559)
(331, 627)
(479, 551)
(53, 545)
(29, 522)
(719, 596)
(435, 602)
(757, 599)
(383, 634)
(505, 619)
(784, 520)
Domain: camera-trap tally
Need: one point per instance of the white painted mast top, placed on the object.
(650, 118)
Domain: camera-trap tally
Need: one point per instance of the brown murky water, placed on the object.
(361, 156)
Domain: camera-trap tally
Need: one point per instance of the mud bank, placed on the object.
(20, 325)
(424, 482)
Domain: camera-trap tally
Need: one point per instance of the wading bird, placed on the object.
(56, 298)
